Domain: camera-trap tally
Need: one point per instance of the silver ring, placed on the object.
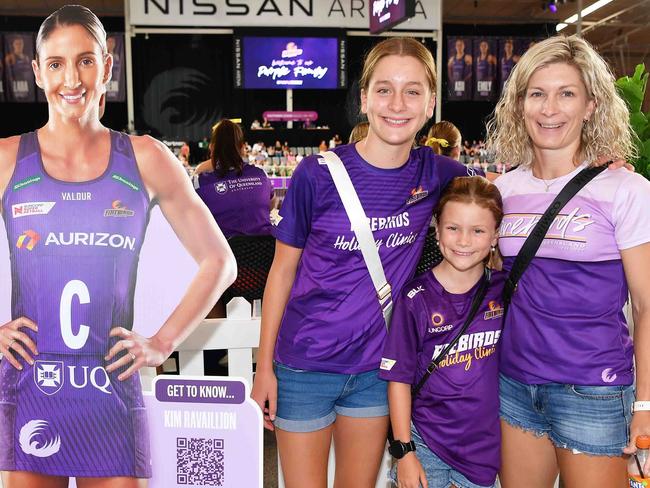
(132, 356)
(12, 343)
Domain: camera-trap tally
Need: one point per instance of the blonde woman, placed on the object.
(567, 364)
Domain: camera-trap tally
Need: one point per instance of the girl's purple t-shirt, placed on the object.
(239, 203)
(332, 322)
(457, 410)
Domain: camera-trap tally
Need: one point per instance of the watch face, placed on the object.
(396, 449)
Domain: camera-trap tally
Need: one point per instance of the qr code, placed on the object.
(199, 462)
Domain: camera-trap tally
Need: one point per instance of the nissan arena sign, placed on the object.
(340, 14)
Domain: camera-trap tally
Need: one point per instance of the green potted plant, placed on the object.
(633, 89)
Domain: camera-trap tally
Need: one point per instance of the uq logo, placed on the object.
(49, 377)
(28, 240)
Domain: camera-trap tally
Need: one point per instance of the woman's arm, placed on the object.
(276, 296)
(166, 181)
(636, 262)
(409, 470)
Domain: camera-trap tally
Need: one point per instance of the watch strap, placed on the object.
(641, 406)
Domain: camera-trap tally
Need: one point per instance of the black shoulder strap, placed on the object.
(534, 240)
(476, 303)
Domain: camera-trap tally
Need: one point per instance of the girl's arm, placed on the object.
(167, 182)
(410, 473)
(276, 296)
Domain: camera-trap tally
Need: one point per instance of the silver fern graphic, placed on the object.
(29, 443)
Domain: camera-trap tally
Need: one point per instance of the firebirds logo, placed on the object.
(417, 194)
(118, 210)
(495, 311)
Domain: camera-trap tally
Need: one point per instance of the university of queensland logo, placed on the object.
(48, 376)
(221, 187)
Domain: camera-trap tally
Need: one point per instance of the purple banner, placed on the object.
(459, 68)
(200, 391)
(2, 65)
(509, 53)
(19, 52)
(485, 68)
(116, 89)
(386, 14)
(282, 116)
(204, 444)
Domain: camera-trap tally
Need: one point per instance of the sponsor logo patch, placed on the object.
(414, 291)
(387, 364)
(125, 181)
(73, 196)
(607, 376)
(118, 210)
(221, 187)
(26, 182)
(31, 208)
(28, 240)
(48, 376)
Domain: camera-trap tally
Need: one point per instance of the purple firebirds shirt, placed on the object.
(74, 254)
(332, 322)
(457, 410)
(239, 203)
(565, 323)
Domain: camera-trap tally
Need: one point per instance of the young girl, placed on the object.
(453, 421)
(322, 325)
(75, 201)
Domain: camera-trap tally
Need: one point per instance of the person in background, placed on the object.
(238, 194)
(444, 138)
(322, 147)
(567, 359)
(359, 131)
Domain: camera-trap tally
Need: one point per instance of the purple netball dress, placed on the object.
(74, 253)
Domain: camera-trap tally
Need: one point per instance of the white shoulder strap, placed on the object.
(361, 228)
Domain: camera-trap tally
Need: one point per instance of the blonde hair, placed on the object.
(606, 133)
(400, 46)
(443, 131)
(359, 131)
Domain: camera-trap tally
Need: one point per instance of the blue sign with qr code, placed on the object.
(204, 431)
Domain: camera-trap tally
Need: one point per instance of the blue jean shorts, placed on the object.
(310, 401)
(439, 474)
(586, 419)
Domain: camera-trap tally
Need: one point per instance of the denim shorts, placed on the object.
(310, 401)
(586, 419)
(439, 474)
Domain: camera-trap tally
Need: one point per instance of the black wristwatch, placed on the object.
(399, 449)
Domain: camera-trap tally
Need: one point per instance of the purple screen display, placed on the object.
(290, 62)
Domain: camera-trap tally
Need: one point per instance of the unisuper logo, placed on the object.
(35, 439)
(28, 240)
(118, 210)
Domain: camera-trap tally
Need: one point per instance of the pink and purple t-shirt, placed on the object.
(566, 323)
(239, 203)
(332, 322)
(457, 410)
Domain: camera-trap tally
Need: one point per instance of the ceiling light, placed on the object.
(585, 11)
